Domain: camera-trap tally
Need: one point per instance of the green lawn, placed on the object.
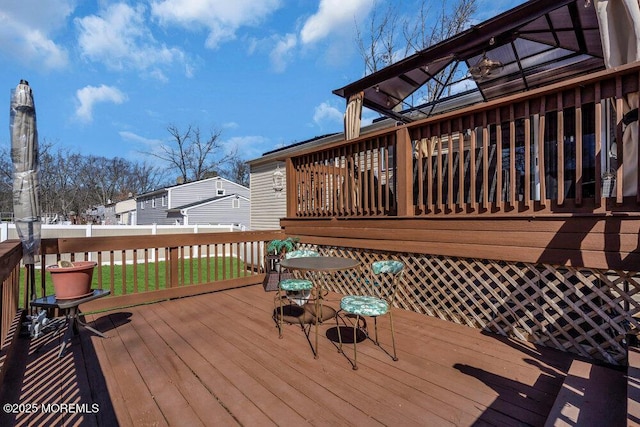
(228, 265)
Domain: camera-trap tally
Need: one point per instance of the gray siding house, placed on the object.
(199, 202)
(230, 209)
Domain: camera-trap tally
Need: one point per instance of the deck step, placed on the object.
(633, 387)
(591, 395)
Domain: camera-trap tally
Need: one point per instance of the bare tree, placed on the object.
(141, 178)
(193, 156)
(238, 171)
(72, 183)
(6, 181)
(386, 42)
(377, 45)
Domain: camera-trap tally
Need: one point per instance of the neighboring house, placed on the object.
(126, 212)
(230, 209)
(109, 214)
(169, 205)
(96, 214)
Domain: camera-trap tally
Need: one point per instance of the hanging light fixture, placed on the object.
(278, 180)
(484, 67)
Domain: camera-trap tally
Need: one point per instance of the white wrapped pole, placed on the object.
(24, 154)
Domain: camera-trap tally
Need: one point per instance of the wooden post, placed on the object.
(292, 193)
(404, 172)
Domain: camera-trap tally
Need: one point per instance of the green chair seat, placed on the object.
(364, 305)
(378, 293)
(296, 284)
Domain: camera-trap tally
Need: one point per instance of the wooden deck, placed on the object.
(216, 359)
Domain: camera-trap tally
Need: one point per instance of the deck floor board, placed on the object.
(216, 359)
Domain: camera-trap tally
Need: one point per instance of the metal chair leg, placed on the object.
(375, 330)
(280, 320)
(339, 334)
(393, 339)
(316, 312)
(355, 343)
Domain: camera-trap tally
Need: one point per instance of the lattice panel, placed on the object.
(584, 311)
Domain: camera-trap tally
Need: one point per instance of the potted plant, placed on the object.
(275, 252)
(280, 247)
(71, 279)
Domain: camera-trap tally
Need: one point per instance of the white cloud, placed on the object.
(130, 136)
(222, 18)
(282, 52)
(333, 16)
(120, 38)
(230, 125)
(88, 96)
(26, 28)
(249, 147)
(326, 114)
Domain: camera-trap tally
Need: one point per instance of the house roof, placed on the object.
(537, 43)
(204, 202)
(185, 184)
(279, 153)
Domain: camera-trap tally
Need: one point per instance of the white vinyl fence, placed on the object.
(8, 232)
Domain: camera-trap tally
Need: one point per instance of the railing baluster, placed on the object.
(135, 271)
(512, 156)
(500, 202)
(439, 177)
(450, 201)
(146, 269)
(461, 187)
(111, 272)
(598, 155)
(473, 193)
(541, 152)
(100, 286)
(619, 138)
(578, 117)
(380, 153)
(431, 145)
(560, 141)
(365, 176)
(485, 161)
(527, 155)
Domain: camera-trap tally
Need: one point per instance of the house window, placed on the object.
(218, 184)
(236, 203)
(142, 204)
(164, 200)
(153, 203)
(220, 192)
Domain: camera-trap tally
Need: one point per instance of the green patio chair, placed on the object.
(294, 289)
(376, 299)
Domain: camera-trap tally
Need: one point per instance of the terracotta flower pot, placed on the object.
(74, 281)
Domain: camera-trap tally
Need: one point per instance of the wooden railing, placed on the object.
(140, 269)
(546, 151)
(10, 256)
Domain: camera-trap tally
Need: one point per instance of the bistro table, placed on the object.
(72, 312)
(322, 264)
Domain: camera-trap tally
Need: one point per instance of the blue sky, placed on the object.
(109, 77)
